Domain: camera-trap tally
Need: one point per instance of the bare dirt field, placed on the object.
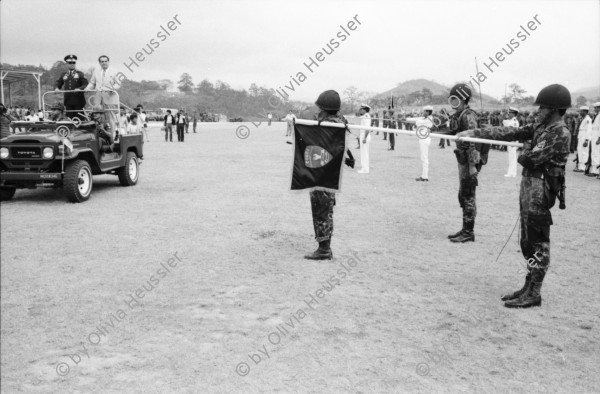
(193, 281)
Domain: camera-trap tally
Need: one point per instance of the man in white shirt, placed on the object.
(595, 141)
(290, 117)
(512, 121)
(424, 140)
(270, 117)
(105, 80)
(365, 138)
(585, 133)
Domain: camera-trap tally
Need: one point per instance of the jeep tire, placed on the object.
(130, 172)
(78, 181)
(7, 193)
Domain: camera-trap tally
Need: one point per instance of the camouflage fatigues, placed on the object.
(322, 202)
(471, 157)
(543, 159)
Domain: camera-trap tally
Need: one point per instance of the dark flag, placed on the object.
(318, 157)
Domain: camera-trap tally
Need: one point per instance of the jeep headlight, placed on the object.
(3, 153)
(48, 152)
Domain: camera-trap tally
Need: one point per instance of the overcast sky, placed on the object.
(267, 42)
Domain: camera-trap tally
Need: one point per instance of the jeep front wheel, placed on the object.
(130, 172)
(78, 181)
(7, 193)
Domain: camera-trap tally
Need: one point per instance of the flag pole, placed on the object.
(422, 132)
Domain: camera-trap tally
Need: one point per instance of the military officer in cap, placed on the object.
(584, 135)
(471, 157)
(512, 150)
(365, 138)
(543, 160)
(72, 80)
(322, 202)
(424, 140)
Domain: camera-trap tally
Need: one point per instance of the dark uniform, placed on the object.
(322, 202)
(71, 80)
(543, 162)
(471, 157)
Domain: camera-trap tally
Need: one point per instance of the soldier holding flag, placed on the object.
(543, 161)
(321, 201)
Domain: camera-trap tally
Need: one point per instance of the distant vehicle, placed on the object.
(153, 116)
(64, 155)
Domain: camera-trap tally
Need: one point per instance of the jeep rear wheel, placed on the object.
(7, 193)
(130, 172)
(78, 181)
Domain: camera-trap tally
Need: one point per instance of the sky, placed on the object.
(269, 42)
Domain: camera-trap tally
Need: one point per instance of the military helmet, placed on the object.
(461, 90)
(58, 107)
(329, 100)
(554, 96)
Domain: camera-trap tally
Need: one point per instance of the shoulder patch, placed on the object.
(540, 145)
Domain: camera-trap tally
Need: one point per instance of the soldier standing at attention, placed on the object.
(584, 135)
(322, 202)
(72, 80)
(543, 160)
(471, 157)
(512, 121)
(365, 138)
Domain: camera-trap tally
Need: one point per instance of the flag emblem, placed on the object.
(315, 156)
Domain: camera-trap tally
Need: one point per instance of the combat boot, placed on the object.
(532, 297)
(467, 234)
(322, 253)
(519, 293)
(456, 235)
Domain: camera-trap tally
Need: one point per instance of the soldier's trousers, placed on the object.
(467, 196)
(322, 204)
(535, 203)
(583, 154)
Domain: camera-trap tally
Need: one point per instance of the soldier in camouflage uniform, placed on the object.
(322, 202)
(543, 162)
(471, 157)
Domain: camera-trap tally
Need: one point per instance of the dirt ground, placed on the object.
(212, 242)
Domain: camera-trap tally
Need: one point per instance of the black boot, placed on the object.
(519, 293)
(322, 253)
(467, 234)
(455, 235)
(532, 297)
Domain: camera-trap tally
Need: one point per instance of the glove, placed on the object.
(349, 160)
(585, 143)
(598, 141)
(526, 145)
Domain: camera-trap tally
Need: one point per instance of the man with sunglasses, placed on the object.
(72, 80)
(471, 157)
(543, 159)
(105, 80)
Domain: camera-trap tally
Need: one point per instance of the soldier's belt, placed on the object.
(533, 173)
